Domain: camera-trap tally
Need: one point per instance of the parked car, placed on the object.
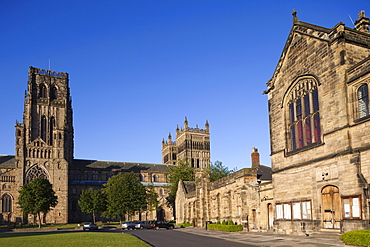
(157, 225)
(129, 225)
(89, 226)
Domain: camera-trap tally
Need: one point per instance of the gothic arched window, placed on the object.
(42, 91)
(35, 172)
(304, 117)
(52, 125)
(53, 93)
(7, 203)
(43, 128)
(363, 100)
(155, 178)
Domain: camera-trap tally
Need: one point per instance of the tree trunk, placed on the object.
(39, 217)
(93, 213)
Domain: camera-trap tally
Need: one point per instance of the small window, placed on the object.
(155, 178)
(352, 207)
(363, 101)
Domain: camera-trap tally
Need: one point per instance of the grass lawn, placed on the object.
(69, 239)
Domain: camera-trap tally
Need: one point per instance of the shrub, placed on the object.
(224, 222)
(225, 228)
(361, 237)
(184, 224)
(218, 222)
(230, 222)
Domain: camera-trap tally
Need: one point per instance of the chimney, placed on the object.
(362, 23)
(255, 158)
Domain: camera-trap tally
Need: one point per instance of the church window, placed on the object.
(52, 125)
(53, 93)
(43, 128)
(155, 178)
(363, 101)
(42, 91)
(161, 192)
(7, 203)
(352, 207)
(303, 113)
(35, 172)
(141, 177)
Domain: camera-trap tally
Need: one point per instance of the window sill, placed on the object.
(363, 119)
(305, 148)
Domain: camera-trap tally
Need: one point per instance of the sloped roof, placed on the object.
(7, 161)
(264, 172)
(128, 166)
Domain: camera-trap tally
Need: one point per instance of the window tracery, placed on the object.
(303, 114)
(36, 172)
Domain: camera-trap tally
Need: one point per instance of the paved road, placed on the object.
(200, 237)
(178, 238)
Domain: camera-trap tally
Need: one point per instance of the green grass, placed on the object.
(58, 239)
(225, 228)
(360, 237)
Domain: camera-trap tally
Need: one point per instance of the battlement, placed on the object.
(48, 72)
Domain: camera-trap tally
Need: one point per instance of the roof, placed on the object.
(8, 161)
(112, 165)
(264, 173)
(189, 186)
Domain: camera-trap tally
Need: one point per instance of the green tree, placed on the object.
(125, 195)
(218, 170)
(182, 171)
(152, 198)
(37, 197)
(93, 202)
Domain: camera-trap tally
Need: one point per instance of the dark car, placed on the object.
(89, 226)
(162, 224)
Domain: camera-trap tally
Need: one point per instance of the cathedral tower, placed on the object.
(44, 141)
(191, 145)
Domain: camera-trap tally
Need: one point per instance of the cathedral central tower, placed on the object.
(192, 145)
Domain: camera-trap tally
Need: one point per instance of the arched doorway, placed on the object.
(331, 207)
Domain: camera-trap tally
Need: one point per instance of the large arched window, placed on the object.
(42, 91)
(304, 117)
(363, 100)
(36, 172)
(7, 203)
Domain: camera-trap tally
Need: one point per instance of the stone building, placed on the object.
(319, 123)
(44, 148)
(192, 145)
(245, 197)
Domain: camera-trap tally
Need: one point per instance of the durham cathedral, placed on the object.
(319, 116)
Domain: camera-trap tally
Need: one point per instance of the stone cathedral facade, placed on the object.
(318, 100)
(45, 147)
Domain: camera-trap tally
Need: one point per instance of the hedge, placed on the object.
(184, 224)
(225, 228)
(361, 237)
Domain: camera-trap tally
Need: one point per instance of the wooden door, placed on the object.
(331, 207)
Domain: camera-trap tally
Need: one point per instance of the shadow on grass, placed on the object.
(29, 234)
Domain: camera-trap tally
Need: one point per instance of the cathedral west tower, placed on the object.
(44, 141)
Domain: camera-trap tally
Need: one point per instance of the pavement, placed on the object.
(265, 239)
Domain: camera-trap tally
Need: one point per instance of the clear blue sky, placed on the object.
(137, 68)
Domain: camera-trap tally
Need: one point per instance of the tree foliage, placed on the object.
(218, 170)
(152, 198)
(125, 195)
(93, 202)
(37, 197)
(182, 171)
